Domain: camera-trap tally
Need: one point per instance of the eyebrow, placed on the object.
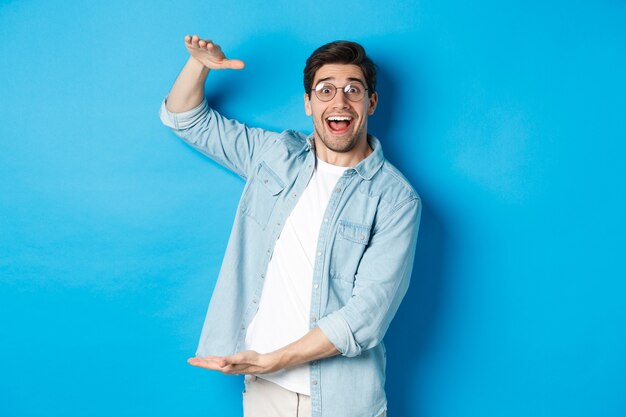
(332, 78)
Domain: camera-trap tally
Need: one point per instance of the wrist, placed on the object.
(279, 359)
(197, 66)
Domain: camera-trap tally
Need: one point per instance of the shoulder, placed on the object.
(290, 142)
(293, 138)
(394, 187)
(396, 195)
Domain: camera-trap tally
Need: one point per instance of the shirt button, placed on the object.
(262, 276)
(254, 301)
(315, 286)
(325, 219)
(337, 190)
(264, 181)
(313, 318)
(319, 253)
(361, 236)
(295, 195)
(314, 382)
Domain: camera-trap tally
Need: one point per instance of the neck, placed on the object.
(342, 159)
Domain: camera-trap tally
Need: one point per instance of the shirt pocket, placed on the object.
(350, 243)
(261, 195)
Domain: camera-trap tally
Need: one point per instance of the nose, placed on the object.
(341, 99)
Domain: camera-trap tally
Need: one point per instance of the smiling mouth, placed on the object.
(339, 124)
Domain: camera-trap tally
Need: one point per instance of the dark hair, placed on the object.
(340, 52)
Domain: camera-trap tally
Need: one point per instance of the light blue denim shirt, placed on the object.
(364, 259)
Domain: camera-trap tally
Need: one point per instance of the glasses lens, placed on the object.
(325, 91)
(354, 91)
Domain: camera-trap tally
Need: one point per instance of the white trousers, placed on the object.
(262, 398)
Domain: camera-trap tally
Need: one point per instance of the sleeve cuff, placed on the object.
(184, 119)
(339, 333)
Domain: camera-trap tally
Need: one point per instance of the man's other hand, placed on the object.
(246, 362)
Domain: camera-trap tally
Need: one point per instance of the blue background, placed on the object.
(509, 119)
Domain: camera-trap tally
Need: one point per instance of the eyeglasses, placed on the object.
(326, 91)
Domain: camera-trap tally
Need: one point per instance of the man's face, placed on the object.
(340, 125)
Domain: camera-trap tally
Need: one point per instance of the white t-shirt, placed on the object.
(285, 304)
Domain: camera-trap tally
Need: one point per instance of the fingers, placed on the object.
(207, 363)
(215, 363)
(198, 43)
(205, 44)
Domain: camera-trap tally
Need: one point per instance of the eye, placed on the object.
(353, 89)
(324, 89)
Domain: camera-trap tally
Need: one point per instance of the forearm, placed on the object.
(311, 347)
(188, 89)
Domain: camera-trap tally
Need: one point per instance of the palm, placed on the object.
(210, 54)
(247, 362)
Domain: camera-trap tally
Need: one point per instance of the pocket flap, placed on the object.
(269, 179)
(358, 233)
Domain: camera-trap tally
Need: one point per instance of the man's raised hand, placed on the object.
(210, 54)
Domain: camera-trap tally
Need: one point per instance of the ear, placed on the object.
(307, 105)
(373, 102)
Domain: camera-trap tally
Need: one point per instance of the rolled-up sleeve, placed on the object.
(381, 282)
(184, 120)
(230, 143)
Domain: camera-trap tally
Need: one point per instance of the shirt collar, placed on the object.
(373, 162)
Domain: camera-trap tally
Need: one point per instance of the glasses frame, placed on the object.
(345, 89)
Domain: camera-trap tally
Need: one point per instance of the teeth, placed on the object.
(339, 118)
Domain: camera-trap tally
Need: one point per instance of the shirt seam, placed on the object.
(394, 210)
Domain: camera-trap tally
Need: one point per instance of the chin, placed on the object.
(340, 146)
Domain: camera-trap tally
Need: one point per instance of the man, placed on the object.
(322, 246)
